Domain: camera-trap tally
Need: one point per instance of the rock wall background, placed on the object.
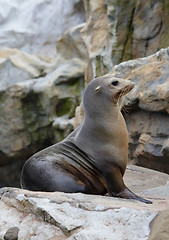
(129, 30)
(34, 26)
(48, 48)
(42, 64)
(146, 109)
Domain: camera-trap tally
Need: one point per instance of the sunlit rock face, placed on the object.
(41, 215)
(45, 49)
(34, 26)
(147, 106)
(42, 65)
(137, 28)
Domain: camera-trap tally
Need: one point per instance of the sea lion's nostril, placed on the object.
(115, 83)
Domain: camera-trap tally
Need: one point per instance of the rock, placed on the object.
(120, 15)
(95, 36)
(148, 106)
(147, 26)
(17, 66)
(30, 108)
(127, 30)
(40, 215)
(159, 226)
(72, 37)
(11, 234)
(137, 28)
(35, 26)
(38, 96)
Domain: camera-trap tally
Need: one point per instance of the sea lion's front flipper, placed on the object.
(116, 186)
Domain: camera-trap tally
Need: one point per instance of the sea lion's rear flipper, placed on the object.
(116, 186)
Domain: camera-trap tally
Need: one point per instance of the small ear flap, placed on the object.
(97, 89)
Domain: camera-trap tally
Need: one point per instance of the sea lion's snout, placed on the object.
(131, 84)
(126, 88)
(121, 86)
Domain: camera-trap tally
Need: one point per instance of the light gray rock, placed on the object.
(11, 234)
(30, 108)
(40, 215)
(17, 66)
(147, 109)
(34, 26)
(137, 28)
(38, 98)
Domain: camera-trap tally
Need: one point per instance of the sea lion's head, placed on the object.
(104, 92)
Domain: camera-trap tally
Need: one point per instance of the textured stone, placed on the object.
(120, 15)
(17, 66)
(95, 36)
(137, 28)
(72, 37)
(11, 234)
(147, 27)
(40, 215)
(38, 98)
(34, 26)
(126, 30)
(148, 107)
(30, 107)
(159, 226)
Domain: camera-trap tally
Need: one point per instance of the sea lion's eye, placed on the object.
(115, 83)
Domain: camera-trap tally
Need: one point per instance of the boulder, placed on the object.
(34, 26)
(148, 108)
(96, 38)
(118, 31)
(39, 215)
(17, 66)
(38, 95)
(159, 226)
(30, 108)
(137, 28)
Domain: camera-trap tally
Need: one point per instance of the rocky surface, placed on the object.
(159, 226)
(38, 97)
(148, 109)
(17, 66)
(37, 101)
(124, 30)
(31, 108)
(139, 28)
(96, 37)
(38, 93)
(35, 26)
(37, 215)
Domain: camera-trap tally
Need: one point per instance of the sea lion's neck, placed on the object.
(103, 113)
(107, 123)
(99, 130)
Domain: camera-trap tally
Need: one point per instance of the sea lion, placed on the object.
(93, 158)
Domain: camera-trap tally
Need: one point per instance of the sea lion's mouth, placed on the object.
(125, 90)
